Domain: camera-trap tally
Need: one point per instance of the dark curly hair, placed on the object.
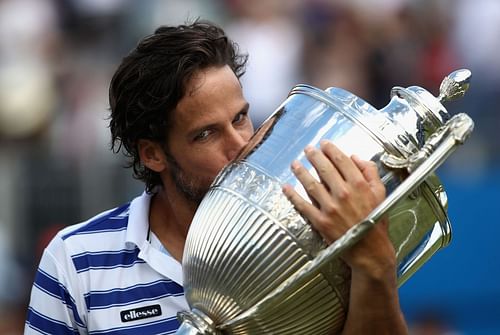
(151, 80)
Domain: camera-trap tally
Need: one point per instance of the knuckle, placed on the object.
(343, 193)
(323, 224)
(360, 184)
(337, 158)
(323, 170)
(310, 187)
(330, 209)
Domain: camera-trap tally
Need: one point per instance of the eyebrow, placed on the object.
(245, 108)
(195, 131)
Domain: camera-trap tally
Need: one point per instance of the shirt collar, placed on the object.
(138, 220)
(137, 236)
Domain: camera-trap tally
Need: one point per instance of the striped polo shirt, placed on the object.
(103, 276)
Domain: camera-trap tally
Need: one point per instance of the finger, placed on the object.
(368, 169)
(345, 166)
(302, 206)
(314, 189)
(327, 172)
(370, 173)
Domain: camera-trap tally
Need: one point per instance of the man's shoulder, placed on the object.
(114, 219)
(104, 231)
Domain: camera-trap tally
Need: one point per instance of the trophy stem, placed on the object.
(188, 328)
(195, 323)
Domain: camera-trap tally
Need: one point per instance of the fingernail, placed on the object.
(295, 165)
(308, 149)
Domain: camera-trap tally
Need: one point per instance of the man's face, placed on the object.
(209, 127)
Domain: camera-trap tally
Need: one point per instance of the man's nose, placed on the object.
(236, 141)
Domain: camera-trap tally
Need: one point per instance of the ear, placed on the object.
(152, 155)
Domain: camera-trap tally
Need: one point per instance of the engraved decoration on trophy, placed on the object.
(253, 265)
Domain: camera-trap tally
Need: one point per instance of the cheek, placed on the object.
(248, 135)
(207, 164)
(249, 131)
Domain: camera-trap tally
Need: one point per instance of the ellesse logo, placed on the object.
(140, 313)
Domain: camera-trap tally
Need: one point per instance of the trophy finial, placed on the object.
(454, 85)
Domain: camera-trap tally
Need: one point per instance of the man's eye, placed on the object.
(202, 135)
(239, 117)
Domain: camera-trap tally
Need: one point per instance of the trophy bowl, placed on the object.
(253, 265)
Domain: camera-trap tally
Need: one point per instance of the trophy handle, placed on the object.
(420, 165)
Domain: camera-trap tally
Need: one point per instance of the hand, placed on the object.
(348, 190)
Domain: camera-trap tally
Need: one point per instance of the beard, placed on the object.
(193, 188)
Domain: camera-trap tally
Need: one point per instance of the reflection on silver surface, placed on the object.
(253, 265)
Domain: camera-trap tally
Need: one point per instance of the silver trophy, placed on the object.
(253, 265)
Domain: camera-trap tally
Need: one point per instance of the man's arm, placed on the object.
(374, 302)
(348, 190)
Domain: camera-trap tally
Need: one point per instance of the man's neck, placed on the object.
(170, 216)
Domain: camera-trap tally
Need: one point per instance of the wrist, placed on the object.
(375, 269)
(374, 257)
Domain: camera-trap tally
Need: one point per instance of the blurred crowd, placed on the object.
(57, 58)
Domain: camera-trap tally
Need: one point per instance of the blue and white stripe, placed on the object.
(93, 271)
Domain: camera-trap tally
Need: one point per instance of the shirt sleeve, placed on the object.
(54, 308)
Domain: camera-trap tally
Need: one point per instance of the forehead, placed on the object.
(212, 95)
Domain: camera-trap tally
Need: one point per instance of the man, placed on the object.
(178, 111)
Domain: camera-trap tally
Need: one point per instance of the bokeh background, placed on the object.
(57, 58)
